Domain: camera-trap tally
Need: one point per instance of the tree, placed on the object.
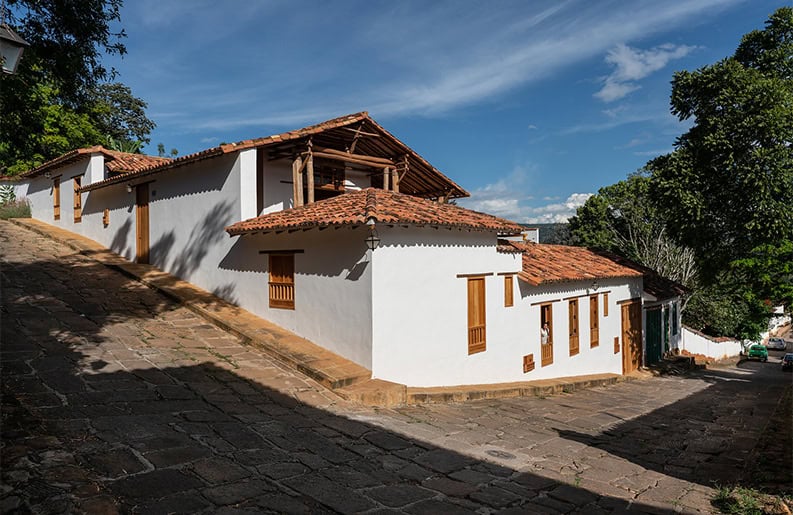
(728, 186)
(61, 97)
(118, 114)
(622, 219)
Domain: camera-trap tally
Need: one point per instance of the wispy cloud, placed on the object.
(633, 64)
(429, 66)
(653, 153)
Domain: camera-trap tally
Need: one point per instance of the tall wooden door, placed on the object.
(654, 336)
(142, 222)
(631, 336)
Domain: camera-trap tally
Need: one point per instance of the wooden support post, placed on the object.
(297, 183)
(386, 176)
(395, 180)
(310, 177)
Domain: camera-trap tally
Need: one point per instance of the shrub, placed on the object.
(15, 209)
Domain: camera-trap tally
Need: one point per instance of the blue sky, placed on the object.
(529, 105)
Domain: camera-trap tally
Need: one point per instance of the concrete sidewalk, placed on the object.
(344, 377)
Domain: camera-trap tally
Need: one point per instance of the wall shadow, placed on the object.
(186, 437)
(709, 437)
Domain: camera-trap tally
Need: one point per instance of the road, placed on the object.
(115, 400)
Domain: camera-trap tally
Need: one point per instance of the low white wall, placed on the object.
(696, 343)
(20, 187)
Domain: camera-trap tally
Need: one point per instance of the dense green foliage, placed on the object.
(726, 192)
(62, 97)
(623, 219)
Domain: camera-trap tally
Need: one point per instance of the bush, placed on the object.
(15, 209)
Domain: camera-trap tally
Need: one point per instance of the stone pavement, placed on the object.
(116, 399)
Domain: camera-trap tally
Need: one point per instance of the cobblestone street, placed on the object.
(116, 399)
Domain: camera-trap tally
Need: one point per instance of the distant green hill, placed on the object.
(552, 233)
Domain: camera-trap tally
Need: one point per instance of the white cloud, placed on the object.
(431, 65)
(559, 212)
(633, 64)
(653, 153)
(510, 198)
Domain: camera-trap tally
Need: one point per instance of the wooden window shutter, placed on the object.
(572, 309)
(56, 198)
(282, 281)
(476, 315)
(509, 291)
(594, 322)
(546, 348)
(78, 200)
(605, 304)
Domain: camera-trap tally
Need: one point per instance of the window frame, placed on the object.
(509, 291)
(546, 349)
(282, 281)
(594, 321)
(477, 314)
(573, 329)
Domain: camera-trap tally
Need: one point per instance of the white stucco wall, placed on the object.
(40, 195)
(700, 344)
(20, 187)
(333, 305)
(420, 327)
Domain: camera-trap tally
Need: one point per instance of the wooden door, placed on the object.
(78, 200)
(142, 222)
(56, 198)
(654, 331)
(572, 311)
(631, 336)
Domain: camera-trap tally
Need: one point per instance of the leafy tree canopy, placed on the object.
(62, 96)
(623, 219)
(728, 187)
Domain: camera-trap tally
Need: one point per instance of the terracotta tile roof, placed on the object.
(115, 161)
(422, 179)
(384, 207)
(123, 162)
(544, 264)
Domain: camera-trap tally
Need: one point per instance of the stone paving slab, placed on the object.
(127, 402)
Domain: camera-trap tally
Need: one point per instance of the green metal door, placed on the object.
(654, 335)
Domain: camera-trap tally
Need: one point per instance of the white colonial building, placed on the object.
(342, 234)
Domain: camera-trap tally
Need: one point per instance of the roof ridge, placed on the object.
(370, 206)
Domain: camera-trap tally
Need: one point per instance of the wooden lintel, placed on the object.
(282, 251)
(483, 274)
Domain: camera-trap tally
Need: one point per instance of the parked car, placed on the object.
(758, 351)
(776, 343)
(787, 361)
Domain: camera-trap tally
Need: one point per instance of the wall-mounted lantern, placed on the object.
(47, 175)
(11, 48)
(129, 188)
(373, 240)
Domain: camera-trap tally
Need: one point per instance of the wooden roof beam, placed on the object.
(381, 160)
